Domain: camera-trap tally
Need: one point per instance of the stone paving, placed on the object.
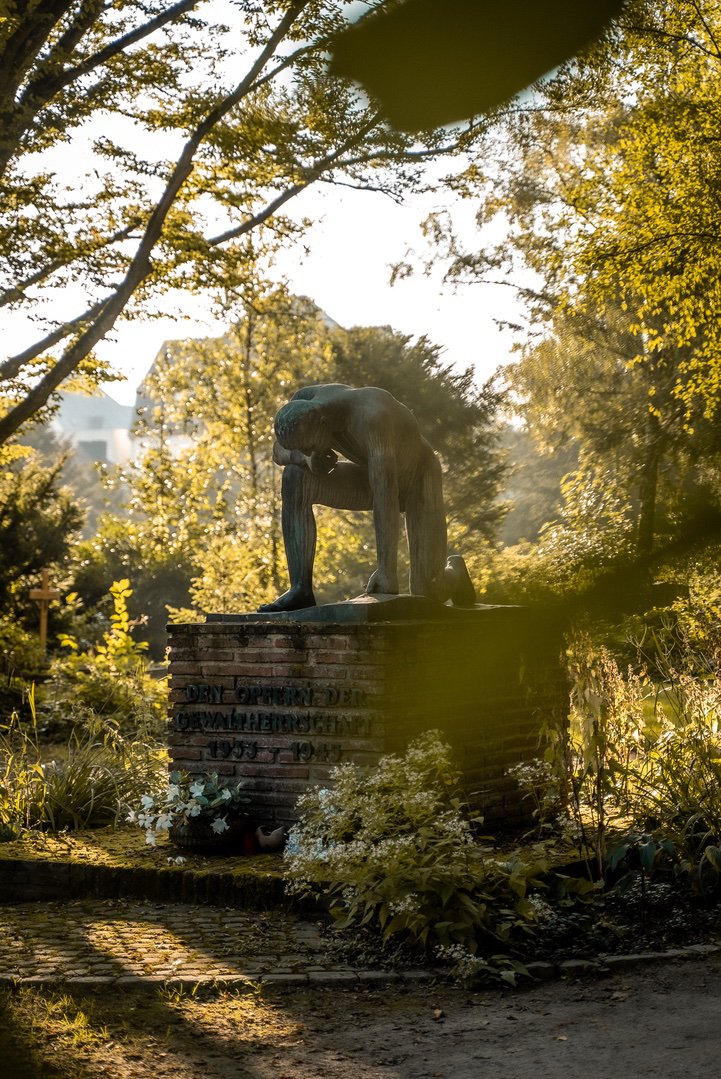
(129, 943)
(143, 945)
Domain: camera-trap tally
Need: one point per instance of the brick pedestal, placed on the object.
(278, 700)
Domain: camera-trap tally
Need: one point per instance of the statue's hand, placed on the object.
(281, 455)
(323, 463)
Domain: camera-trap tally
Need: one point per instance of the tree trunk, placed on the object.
(648, 486)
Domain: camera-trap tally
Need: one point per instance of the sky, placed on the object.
(344, 265)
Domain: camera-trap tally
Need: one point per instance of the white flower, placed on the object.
(150, 838)
(177, 861)
(163, 822)
(292, 845)
(147, 801)
(194, 809)
(225, 794)
(197, 789)
(131, 817)
(173, 792)
(219, 825)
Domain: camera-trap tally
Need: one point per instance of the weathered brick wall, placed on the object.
(279, 703)
(491, 685)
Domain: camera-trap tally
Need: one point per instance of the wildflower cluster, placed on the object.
(395, 848)
(473, 971)
(187, 798)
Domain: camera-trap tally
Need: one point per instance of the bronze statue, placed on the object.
(389, 468)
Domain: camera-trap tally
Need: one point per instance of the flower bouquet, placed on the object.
(200, 813)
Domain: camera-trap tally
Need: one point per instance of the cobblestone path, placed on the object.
(88, 942)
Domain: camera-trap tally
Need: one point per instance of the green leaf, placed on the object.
(618, 854)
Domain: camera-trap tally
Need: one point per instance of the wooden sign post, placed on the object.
(42, 597)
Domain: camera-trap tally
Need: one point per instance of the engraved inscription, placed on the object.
(301, 752)
(315, 714)
(318, 723)
(278, 696)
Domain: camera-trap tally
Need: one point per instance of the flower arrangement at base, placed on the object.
(200, 813)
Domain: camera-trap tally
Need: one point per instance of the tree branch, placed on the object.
(113, 48)
(17, 292)
(140, 266)
(312, 174)
(23, 45)
(14, 364)
(46, 85)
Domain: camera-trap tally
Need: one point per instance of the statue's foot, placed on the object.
(295, 599)
(461, 590)
(382, 584)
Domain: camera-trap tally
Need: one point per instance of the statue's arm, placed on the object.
(319, 462)
(282, 456)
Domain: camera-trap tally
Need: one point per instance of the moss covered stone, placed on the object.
(117, 863)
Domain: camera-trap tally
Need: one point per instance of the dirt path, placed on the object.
(655, 1021)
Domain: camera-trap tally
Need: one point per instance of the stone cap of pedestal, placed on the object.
(365, 608)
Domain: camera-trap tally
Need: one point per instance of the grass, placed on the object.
(125, 848)
(51, 1034)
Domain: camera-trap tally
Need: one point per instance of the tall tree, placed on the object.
(579, 388)
(458, 418)
(608, 181)
(39, 519)
(611, 189)
(193, 135)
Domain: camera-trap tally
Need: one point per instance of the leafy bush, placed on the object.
(607, 731)
(111, 678)
(20, 657)
(643, 753)
(20, 651)
(100, 773)
(394, 849)
(39, 519)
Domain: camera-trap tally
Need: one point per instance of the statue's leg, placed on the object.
(346, 487)
(350, 487)
(383, 480)
(426, 531)
(433, 572)
(299, 537)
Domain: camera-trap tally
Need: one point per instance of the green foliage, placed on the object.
(642, 855)
(99, 773)
(644, 751)
(532, 488)
(188, 798)
(20, 651)
(640, 471)
(159, 563)
(21, 657)
(110, 678)
(605, 182)
(38, 521)
(394, 849)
